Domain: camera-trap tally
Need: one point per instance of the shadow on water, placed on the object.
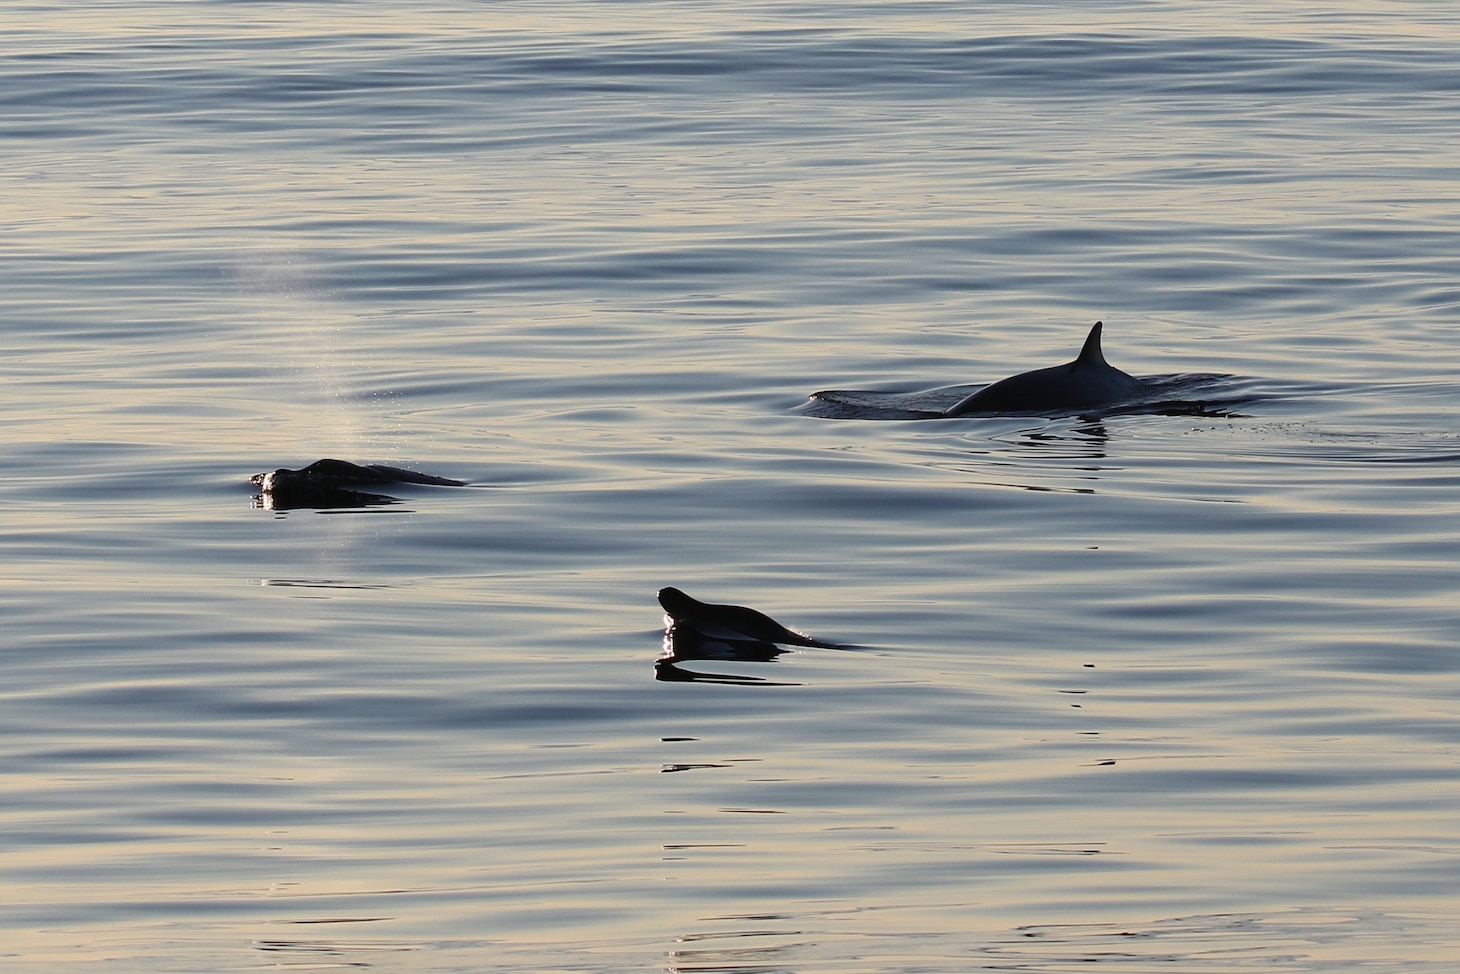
(1202, 394)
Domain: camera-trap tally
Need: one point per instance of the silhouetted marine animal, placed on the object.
(730, 623)
(343, 475)
(1086, 383)
(336, 484)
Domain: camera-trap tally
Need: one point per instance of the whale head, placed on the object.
(676, 604)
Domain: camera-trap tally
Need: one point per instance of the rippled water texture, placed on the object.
(1140, 689)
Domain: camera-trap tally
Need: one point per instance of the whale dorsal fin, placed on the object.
(1090, 354)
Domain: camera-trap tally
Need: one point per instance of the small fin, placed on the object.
(1090, 354)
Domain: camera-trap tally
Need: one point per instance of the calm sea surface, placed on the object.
(1142, 692)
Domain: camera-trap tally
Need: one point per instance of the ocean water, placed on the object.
(1139, 691)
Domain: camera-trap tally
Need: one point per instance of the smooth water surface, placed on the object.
(1144, 691)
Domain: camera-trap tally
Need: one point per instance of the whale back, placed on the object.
(732, 621)
(329, 474)
(1087, 382)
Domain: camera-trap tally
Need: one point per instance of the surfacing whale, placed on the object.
(728, 623)
(695, 630)
(1089, 382)
(336, 483)
(1087, 387)
(342, 474)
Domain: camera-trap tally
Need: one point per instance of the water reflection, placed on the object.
(1084, 442)
(759, 950)
(683, 641)
(319, 499)
(331, 583)
(1307, 938)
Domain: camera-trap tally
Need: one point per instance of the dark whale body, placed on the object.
(729, 623)
(343, 475)
(336, 484)
(1089, 382)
